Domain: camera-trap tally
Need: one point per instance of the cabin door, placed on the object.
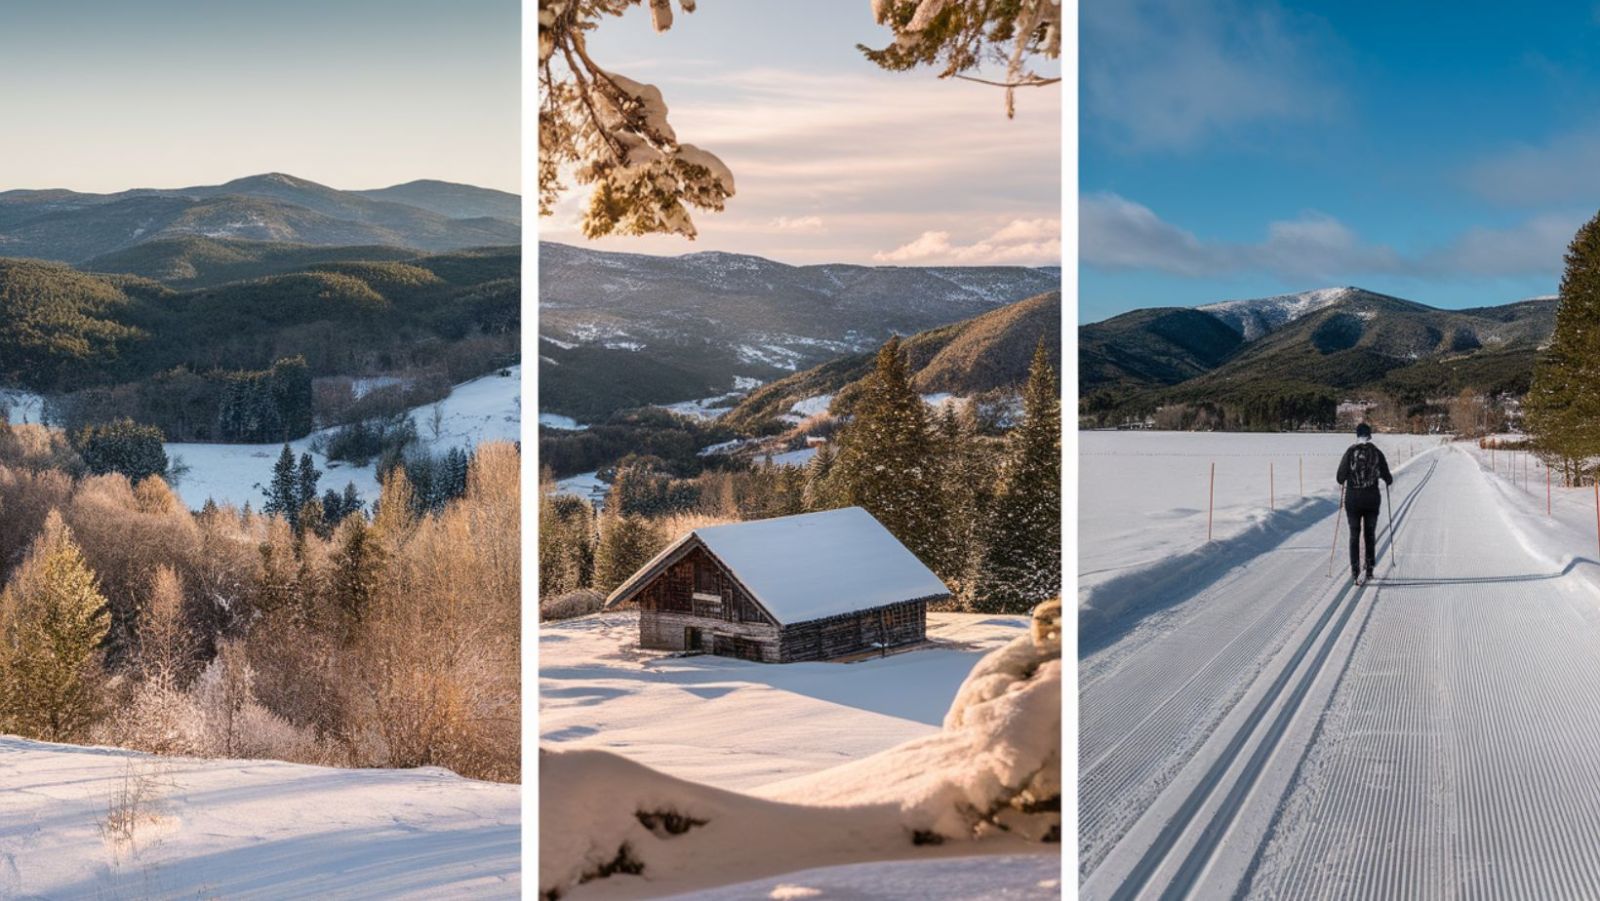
(693, 639)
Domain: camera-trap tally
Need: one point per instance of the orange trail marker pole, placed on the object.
(1211, 503)
(1302, 475)
(1272, 488)
(1547, 491)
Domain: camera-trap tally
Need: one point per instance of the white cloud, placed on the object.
(1559, 171)
(796, 224)
(1018, 242)
(1169, 74)
(1117, 233)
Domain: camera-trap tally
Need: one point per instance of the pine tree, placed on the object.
(1021, 558)
(53, 620)
(886, 461)
(626, 543)
(1563, 405)
(968, 485)
(821, 492)
(306, 481)
(283, 493)
(351, 502)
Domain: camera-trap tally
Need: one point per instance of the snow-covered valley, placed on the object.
(487, 408)
(89, 822)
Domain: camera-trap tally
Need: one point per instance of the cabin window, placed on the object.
(705, 579)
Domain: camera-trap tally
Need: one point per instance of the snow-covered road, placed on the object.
(1275, 733)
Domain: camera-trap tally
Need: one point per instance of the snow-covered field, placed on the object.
(485, 409)
(715, 776)
(246, 829)
(20, 406)
(587, 485)
(1259, 729)
(1143, 496)
(692, 716)
(564, 423)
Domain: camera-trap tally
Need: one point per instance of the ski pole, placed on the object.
(1394, 548)
(1335, 549)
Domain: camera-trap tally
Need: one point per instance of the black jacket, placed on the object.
(1360, 498)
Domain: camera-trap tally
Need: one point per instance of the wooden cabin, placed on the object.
(809, 587)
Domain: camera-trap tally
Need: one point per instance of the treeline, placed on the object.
(258, 406)
(982, 513)
(1259, 406)
(388, 640)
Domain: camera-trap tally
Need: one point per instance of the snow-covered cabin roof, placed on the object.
(806, 567)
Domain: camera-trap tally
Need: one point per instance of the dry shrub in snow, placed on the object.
(582, 602)
(439, 653)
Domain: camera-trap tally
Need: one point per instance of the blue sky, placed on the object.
(103, 95)
(835, 160)
(1228, 150)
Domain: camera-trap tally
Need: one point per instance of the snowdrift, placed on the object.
(989, 782)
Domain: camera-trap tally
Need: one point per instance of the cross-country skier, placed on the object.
(1360, 471)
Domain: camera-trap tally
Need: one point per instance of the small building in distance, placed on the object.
(810, 587)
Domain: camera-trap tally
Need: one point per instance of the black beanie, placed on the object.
(1363, 431)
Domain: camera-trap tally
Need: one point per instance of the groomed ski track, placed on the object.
(1433, 734)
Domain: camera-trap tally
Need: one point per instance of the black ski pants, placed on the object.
(1363, 516)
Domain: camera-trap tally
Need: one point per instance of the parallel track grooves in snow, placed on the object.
(1217, 826)
(1457, 755)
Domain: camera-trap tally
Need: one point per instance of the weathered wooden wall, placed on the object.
(852, 633)
(667, 606)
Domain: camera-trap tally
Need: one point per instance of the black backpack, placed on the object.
(1363, 466)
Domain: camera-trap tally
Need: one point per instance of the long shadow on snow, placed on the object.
(1114, 607)
(1402, 582)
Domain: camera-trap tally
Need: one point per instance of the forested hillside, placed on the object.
(107, 346)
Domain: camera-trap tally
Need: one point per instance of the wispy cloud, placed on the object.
(1020, 241)
(1170, 74)
(1120, 234)
(797, 224)
(1564, 169)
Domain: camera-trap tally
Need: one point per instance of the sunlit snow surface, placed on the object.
(249, 829)
(692, 716)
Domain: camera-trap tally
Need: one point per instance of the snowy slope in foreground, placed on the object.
(249, 829)
(988, 781)
(1001, 877)
(693, 716)
(485, 409)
